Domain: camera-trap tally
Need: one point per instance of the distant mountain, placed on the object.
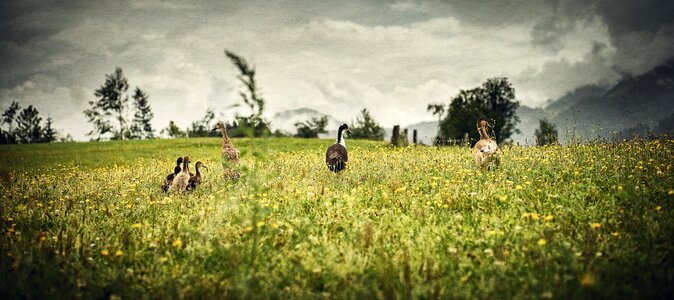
(633, 106)
(285, 120)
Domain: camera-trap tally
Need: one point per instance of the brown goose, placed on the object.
(197, 178)
(486, 151)
(169, 179)
(181, 181)
(230, 155)
(336, 156)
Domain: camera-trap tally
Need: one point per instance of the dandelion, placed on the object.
(615, 233)
(248, 229)
(136, 225)
(595, 225)
(518, 187)
(588, 279)
(177, 243)
(259, 224)
(658, 207)
(105, 252)
(119, 253)
(542, 242)
(670, 192)
(549, 218)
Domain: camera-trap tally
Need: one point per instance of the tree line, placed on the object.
(26, 126)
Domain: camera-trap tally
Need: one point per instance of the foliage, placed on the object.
(28, 128)
(49, 134)
(112, 99)
(201, 128)
(311, 128)
(583, 221)
(173, 131)
(494, 100)
(142, 126)
(253, 125)
(8, 136)
(366, 127)
(546, 134)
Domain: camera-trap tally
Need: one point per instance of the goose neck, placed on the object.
(340, 138)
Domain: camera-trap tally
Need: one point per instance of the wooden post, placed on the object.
(395, 137)
(414, 136)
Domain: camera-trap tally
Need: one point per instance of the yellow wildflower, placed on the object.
(136, 225)
(105, 252)
(119, 253)
(177, 243)
(542, 242)
(588, 279)
(549, 218)
(595, 225)
(259, 224)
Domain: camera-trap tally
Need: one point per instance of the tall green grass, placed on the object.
(89, 220)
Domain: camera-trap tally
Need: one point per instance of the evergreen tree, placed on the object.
(311, 128)
(110, 106)
(366, 127)
(49, 134)
(546, 134)
(142, 127)
(28, 128)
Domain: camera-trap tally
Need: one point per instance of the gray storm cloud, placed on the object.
(383, 55)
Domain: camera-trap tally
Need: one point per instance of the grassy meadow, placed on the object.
(89, 220)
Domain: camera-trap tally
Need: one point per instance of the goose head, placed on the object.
(482, 123)
(220, 126)
(199, 164)
(344, 127)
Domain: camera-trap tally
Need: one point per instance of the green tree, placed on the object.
(142, 126)
(546, 134)
(28, 129)
(311, 128)
(173, 130)
(202, 127)
(494, 100)
(253, 125)
(49, 134)
(8, 136)
(366, 127)
(112, 99)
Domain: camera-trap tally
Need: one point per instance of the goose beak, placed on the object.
(348, 131)
(204, 166)
(214, 129)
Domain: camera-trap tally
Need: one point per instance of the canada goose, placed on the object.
(230, 155)
(336, 156)
(169, 179)
(181, 180)
(197, 178)
(486, 151)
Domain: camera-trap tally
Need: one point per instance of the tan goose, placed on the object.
(486, 151)
(181, 181)
(197, 178)
(336, 156)
(230, 155)
(169, 179)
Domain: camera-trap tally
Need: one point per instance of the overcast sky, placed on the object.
(392, 57)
